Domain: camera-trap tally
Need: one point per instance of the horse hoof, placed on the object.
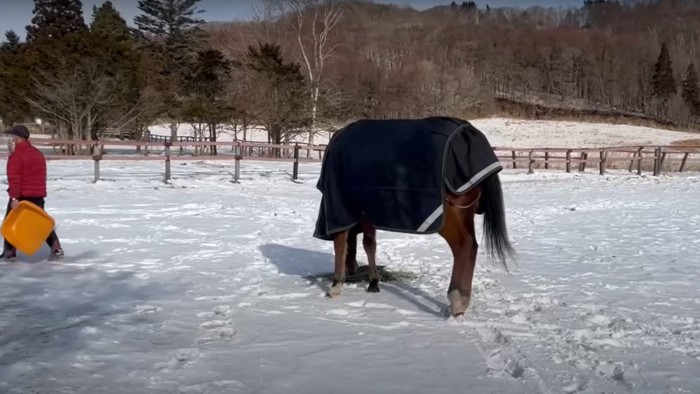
(335, 291)
(458, 303)
(373, 286)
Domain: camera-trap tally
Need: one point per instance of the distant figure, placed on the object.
(26, 178)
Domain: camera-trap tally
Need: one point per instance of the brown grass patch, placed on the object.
(690, 142)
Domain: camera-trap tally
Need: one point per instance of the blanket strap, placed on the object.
(465, 206)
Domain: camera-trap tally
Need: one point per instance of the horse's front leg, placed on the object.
(460, 235)
(467, 255)
(460, 290)
(458, 294)
(340, 247)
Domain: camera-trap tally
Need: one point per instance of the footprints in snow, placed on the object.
(363, 308)
(219, 325)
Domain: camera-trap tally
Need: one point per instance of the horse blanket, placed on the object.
(395, 172)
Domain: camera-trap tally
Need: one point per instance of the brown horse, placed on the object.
(459, 232)
(373, 175)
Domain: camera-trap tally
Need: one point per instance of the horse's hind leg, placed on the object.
(369, 241)
(340, 247)
(351, 255)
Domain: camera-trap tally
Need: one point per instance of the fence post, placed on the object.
(661, 161)
(515, 165)
(685, 158)
(657, 161)
(639, 160)
(530, 169)
(96, 158)
(237, 167)
(295, 172)
(568, 160)
(546, 160)
(603, 157)
(167, 161)
(634, 154)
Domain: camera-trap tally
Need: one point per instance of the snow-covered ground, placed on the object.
(516, 133)
(201, 287)
(525, 133)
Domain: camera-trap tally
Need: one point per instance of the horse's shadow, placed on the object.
(314, 266)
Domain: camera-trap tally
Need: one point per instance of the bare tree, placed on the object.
(312, 22)
(85, 102)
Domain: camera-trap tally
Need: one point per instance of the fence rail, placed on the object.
(655, 159)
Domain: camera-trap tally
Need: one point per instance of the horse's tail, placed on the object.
(495, 233)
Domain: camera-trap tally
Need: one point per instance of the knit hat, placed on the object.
(20, 131)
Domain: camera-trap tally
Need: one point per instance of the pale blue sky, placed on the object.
(16, 14)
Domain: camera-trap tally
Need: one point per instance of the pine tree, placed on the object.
(55, 19)
(111, 39)
(663, 83)
(114, 49)
(173, 22)
(209, 75)
(11, 43)
(206, 91)
(691, 90)
(14, 79)
(280, 100)
(108, 23)
(175, 28)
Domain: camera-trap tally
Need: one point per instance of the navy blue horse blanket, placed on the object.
(395, 173)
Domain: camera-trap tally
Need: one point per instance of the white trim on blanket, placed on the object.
(430, 220)
(479, 176)
(474, 180)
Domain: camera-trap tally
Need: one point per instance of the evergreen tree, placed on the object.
(111, 41)
(206, 91)
(174, 29)
(11, 43)
(209, 76)
(55, 19)
(14, 79)
(691, 90)
(663, 83)
(174, 23)
(108, 23)
(280, 104)
(114, 50)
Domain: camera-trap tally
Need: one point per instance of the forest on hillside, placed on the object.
(308, 64)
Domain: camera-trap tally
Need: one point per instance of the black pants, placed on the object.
(52, 238)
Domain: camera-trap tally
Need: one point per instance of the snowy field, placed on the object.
(516, 133)
(201, 287)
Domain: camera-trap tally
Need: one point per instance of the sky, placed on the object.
(16, 14)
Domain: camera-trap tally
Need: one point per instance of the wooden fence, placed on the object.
(654, 159)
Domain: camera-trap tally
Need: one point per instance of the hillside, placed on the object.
(596, 60)
(309, 65)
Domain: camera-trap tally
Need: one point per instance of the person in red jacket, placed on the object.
(26, 178)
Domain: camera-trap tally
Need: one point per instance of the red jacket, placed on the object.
(26, 171)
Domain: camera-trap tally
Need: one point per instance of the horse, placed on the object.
(372, 178)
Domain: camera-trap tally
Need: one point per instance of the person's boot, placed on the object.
(56, 251)
(9, 256)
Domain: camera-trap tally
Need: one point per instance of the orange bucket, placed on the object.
(27, 226)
